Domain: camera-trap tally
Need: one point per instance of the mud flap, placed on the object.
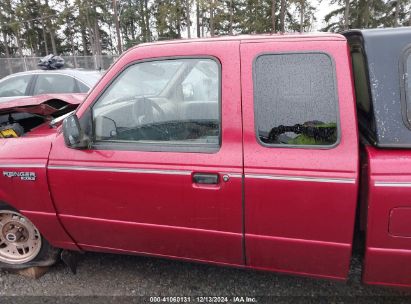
(70, 259)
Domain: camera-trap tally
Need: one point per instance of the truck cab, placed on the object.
(241, 151)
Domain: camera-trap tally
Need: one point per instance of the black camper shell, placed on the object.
(381, 60)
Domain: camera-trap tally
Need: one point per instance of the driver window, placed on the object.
(167, 102)
(295, 100)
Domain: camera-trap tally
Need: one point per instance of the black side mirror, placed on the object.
(74, 137)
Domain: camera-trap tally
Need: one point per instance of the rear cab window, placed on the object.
(295, 100)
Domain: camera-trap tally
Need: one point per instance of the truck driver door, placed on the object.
(163, 175)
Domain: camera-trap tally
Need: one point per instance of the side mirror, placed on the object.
(74, 137)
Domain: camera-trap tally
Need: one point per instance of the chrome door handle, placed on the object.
(206, 178)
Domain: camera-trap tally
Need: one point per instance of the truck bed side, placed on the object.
(388, 225)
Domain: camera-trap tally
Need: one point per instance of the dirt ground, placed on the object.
(109, 278)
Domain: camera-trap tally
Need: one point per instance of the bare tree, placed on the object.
(53, 38)
(70, 32)
(282, 15)
(6, 49)
(367, 14)
(188, 9)
(91, 35)
(147, 22)
(274, 2)
(94, 30)
(212, 18)
(231, 9)
(43, 29)
(51, 31)
(116, 22)
(203, 10)
(346, 14)
(198, 18)
(18, 39)
(397, 13)
(302, 6)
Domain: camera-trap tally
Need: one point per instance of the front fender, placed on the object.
(24, 185)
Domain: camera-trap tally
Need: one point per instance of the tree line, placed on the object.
(96, 27)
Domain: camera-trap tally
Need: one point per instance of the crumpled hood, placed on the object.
(44, 105)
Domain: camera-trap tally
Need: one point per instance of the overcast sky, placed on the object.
(322, 10)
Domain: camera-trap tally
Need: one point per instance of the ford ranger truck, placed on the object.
(271, 153)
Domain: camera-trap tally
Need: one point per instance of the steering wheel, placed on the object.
(143, 114)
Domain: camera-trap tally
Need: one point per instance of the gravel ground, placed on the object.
(102, 276)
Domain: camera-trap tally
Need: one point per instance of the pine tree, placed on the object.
(367, 14)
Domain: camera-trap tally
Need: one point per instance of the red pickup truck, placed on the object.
(264, 152)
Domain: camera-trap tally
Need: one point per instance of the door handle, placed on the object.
(206, 178)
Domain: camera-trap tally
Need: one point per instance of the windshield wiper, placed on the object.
(59, 119)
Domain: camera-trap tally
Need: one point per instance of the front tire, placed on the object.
(21, 244)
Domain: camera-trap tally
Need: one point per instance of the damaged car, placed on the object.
(22, 115)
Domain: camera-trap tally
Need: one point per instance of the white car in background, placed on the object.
(37, 82)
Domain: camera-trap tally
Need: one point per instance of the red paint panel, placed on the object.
(198, 244)
(291, 256)
(297, 219)
(148, 198)
(26, 195)
(387, 267)
(400, 222)
(300, 210)
(179, 258)
(388, 247)
(32, 197)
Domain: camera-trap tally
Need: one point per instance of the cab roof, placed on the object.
(251, 38)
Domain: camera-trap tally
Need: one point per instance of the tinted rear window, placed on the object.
(295, 99)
